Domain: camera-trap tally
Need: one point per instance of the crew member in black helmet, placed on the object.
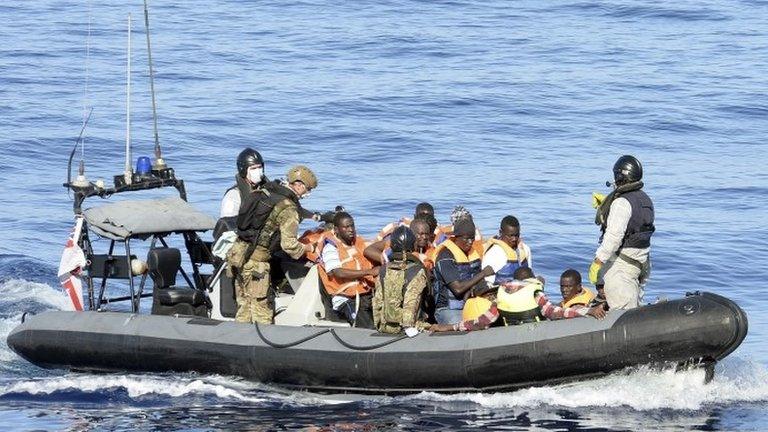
(399, 287)
(622, 261)
(251, 178)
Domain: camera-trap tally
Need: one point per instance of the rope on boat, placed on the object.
(286, 345)
(365, 348)
(322, 332)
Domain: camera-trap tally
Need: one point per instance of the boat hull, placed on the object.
(703, 327)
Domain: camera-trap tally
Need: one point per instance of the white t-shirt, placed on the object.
(330, 257)
(497, 258)
(230, 204)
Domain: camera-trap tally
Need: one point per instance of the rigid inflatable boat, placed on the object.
(701, 328)
(190, 327)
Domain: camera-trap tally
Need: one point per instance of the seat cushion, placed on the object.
(163, 264)
(173, 296)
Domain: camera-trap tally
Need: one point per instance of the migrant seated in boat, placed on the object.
(520, 301)
(458, 272)
(422, 209)
(506, 252)
(574, 294)
(347, 276)
(422, 227)
(444, 232)
(399, 287)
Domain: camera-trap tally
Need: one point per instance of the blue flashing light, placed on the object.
(143, 166)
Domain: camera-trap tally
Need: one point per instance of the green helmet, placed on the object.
(303, 174)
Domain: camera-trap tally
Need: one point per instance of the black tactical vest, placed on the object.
(255, 209)
(640, 227)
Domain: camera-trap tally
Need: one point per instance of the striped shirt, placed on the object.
(548, 309)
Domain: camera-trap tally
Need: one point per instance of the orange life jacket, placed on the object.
(426, 257)
(313, 237)
(351, 258)
(444, 232)
(390, 227)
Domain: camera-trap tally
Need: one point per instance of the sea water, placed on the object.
(503, 107)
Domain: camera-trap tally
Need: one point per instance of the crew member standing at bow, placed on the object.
(268, 221)
(626, 219)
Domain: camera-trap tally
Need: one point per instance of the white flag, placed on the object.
(72, 263)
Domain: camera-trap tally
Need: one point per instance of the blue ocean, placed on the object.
(503, 107)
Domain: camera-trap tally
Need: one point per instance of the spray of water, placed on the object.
(640, 389)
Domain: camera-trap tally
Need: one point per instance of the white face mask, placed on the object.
(255, 174)
(306, 195)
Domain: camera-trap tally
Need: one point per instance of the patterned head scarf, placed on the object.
(460, 212)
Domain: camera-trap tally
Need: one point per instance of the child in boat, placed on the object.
(574, 294)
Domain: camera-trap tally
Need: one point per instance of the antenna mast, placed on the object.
(81, 181)
(128, 174)
(159, 162)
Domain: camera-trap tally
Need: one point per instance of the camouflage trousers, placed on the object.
(252, 293)
(254, 303)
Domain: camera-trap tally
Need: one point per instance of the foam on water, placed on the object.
(20, 296)
(134, 386)
(22, 292)
(177, 386)
(642, 389)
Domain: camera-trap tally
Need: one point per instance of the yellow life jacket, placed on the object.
(518, 255)
(467, 265)
(583, 298)
(475, 254)
(520, 306)
(515, 259)
(474, 307)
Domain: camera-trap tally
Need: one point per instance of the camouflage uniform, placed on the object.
(396, 306)
(254, 302)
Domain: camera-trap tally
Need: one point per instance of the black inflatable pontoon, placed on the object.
(701, 328)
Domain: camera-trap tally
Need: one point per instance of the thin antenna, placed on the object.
(74, 149)
(128, 174)
(80, 180)
(159, 163)
(87, 75)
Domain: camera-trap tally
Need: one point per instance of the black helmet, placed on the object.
(246, 158)
(627, 170)
(402, 240)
